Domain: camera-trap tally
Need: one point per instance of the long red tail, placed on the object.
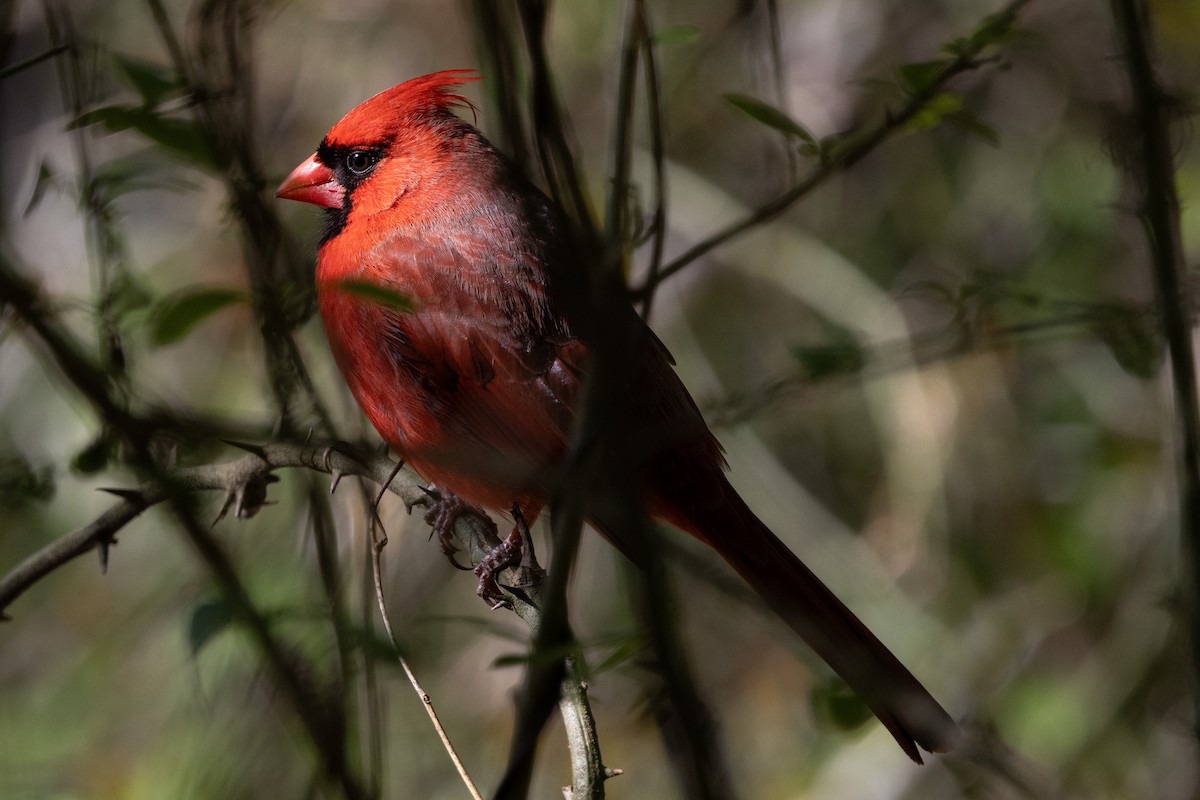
(799, 598)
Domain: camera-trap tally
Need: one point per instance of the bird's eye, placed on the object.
(360, 162)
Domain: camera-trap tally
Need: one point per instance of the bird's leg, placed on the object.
(442, 511)
(516, 550)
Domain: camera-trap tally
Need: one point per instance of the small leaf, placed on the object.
(770, 116)
(841, 356)
(112, 118)
(836, 145)
(21, 484)
(182, 137)
(1133, 341)
(835, 704)
(208, 619)
(376, 293)
(625, 650)
(46, 179)
(176, 315)
(139, 171)
(966, 121)
(96, 456)
(543, 656)
(675, 34)
(994, 30)
(932, 113)
(922, 75)
(153, 82)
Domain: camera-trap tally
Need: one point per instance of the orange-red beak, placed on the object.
(312, 182)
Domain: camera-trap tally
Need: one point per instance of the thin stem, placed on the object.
(379, 541)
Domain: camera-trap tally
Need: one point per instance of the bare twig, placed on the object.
(658, 221)
(379, 541)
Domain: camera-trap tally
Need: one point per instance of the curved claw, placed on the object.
(443, 511)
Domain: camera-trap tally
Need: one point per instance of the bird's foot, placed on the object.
(515, 551)
(442, 511)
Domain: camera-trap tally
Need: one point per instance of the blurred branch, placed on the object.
(103, 243)
(324, 728)
(219, 70)
(32, 61)
(549, 125)
(1127, 331)
(1153, 169)
(859, 146)
(496, 36)
(655, 113)
(689, 730)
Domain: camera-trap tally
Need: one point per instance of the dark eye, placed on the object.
(360, 162)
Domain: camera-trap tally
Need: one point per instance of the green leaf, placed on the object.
(921, 76)
(547, 656)
(843, 356)
(139, 171)
(770, 116)
(626, 649)
(180, 136)
(835, 704)
(112, 118)
(96, 456)
(966, 121)
(675, 34)
(935, 111)
(376, 293)
(154, 82)
(1133, 340)
(995, 29)
(21, 484)
(175, 316)
(208, 619)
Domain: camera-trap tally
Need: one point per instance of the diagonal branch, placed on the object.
(862, 145)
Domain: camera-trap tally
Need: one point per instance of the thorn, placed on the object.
(612, 773)
(431, 496)
(308, 436)
(134, 496)
(337, 478)
(249, 448)
(229, 499)
(103, 549)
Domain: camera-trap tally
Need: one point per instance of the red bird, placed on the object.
(475, 382)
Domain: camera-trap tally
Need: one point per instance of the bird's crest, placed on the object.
(377, 118)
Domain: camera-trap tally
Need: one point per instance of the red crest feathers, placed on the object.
(379, 117)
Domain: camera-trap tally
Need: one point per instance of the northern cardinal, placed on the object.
(474, 382)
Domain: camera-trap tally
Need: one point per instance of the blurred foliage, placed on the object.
(939, 377)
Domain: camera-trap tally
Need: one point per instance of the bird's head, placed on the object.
(385, 152)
